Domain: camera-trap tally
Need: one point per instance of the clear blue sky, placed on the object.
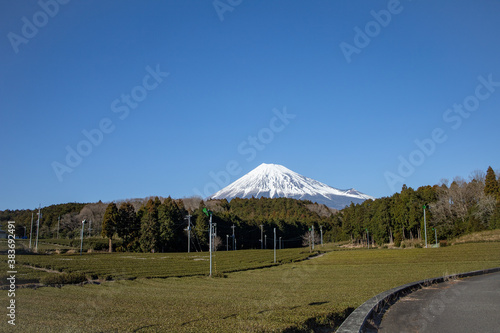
(172, 91)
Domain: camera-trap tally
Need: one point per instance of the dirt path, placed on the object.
(316, 256)
(48, 270)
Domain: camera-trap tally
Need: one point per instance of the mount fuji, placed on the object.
(273, 181)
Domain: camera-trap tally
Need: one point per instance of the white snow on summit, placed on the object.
(273, 181)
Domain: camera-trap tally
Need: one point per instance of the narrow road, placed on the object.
(467, 305)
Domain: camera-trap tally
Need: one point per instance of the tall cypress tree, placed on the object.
(128, 226)
(168, 216)
(201, 226)
(109, 223)
(491, 186)
(149, 228)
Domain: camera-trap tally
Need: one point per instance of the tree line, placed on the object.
(164, 226)
(158, 224)
(453, 209)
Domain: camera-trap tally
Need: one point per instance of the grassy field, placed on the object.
(476, 237)
(119, 266)
(294, 296)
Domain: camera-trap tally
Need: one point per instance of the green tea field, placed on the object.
(171, 292)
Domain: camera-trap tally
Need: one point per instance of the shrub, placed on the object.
(443, 243)
(219, 275)
(106, 277)
(64, 278)
(398, 238)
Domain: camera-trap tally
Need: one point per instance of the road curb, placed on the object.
(359, 319)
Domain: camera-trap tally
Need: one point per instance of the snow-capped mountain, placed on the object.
(273, 181)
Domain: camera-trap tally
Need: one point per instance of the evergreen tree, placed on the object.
(168, 216)
(491, 186)
(109, 223)
(380, 223)
(201, 226)
(149, 240)
(128, 226)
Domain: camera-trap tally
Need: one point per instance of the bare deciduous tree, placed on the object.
(307, 238)
(478, 176)
(484, 209)
(93, 212)
(192, 203)
(217, 242)
(462, 199)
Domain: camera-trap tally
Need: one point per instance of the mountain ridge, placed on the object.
(274, 180)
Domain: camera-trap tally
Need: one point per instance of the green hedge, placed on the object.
(64, 278)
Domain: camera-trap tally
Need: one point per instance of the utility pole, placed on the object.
(435, 236)
(227, 242)
(234, 242)
(265, 242)
(280, 243)
(211, 242)
(274, 245)
(261, 236)
(81, 237)
(189, 232)
(321, 231)
(309, 239)
(214, 235)
(31, 229)
(312, 236)
(209, 213)
(38, 227)
(368, 238)
(425, 227)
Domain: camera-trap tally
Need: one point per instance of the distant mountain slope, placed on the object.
(273, 181)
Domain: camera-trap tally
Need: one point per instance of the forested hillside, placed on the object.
(453, 209)
(158, 224)
(49, 218)
(162, 226)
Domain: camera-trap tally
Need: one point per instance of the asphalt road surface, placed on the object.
(467, 305)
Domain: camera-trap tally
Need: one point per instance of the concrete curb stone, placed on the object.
(360, 320)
